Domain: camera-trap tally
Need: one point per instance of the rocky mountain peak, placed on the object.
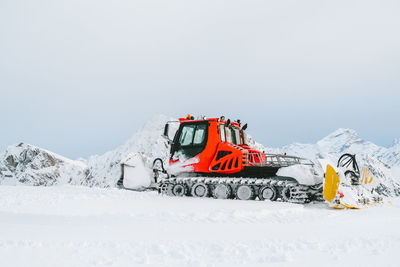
(28, 164)
(340, 140)
(342, 135)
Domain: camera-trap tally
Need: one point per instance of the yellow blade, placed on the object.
(331, 184)
(366, 176)
(349, 206)
(339, 207)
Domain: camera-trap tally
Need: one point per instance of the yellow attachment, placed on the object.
(339, 207)
(331, 184)
(366, 176)
(349, 206)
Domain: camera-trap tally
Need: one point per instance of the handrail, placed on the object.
(273, 160)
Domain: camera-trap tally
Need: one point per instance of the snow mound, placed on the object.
(304, 174)
(147, 141)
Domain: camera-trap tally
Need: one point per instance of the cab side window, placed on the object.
(222, 132)
(199, 134)
(229, 138)
(187, 135)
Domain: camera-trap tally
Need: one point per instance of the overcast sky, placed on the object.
(79, 77)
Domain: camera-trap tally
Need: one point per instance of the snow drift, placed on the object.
(147, 141)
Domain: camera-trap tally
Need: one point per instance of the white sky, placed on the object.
(80, 77)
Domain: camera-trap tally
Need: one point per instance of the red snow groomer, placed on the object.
(212, 157)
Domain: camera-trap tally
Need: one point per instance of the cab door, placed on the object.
(190, 140)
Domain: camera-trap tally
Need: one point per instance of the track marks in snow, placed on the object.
(80, 226)
(220, 253)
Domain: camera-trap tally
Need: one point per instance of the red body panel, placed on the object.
(222, 157)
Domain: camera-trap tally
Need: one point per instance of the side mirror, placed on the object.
(244, 127)
(170, 129)
(166, 133)
(166, 130)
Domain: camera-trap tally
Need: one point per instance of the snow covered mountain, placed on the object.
(346, 141)
(383, 162)
(35, 166)
(31, 165)
(391, 155)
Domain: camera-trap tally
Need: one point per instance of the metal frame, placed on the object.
(273, 160)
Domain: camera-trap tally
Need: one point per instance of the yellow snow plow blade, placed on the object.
(331, 184)
(349, 206)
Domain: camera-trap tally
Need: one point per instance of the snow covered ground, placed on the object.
(83, 226)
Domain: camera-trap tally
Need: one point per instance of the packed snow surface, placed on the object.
(83, 226)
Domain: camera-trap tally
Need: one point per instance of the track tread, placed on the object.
(298, 193)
